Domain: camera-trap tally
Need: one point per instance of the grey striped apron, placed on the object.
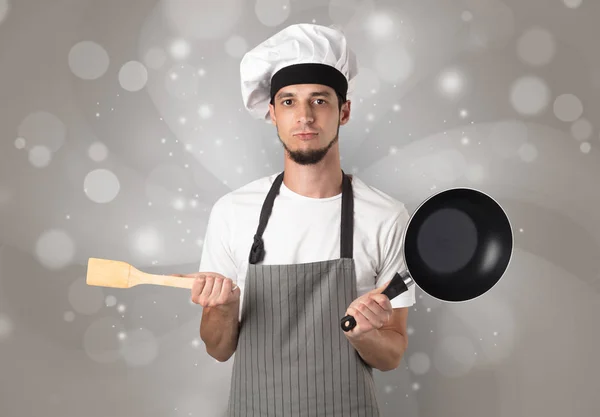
(292, 358)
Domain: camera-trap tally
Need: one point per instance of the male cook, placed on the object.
(294, 252)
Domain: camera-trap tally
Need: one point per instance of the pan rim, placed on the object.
(512, 241)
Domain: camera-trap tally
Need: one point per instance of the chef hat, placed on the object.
(299, 54)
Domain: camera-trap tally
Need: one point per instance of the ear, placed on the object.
(345, 112)
(272, 114)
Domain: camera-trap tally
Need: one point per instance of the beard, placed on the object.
(311, 156)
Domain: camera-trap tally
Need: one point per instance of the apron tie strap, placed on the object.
(257, 252)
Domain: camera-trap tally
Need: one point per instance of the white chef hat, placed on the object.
(299, 54)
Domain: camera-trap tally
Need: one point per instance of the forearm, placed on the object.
(381, 349)
(219, 330)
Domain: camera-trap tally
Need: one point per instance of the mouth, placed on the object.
(306, 136)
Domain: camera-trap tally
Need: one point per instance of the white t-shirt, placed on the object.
(303, 230)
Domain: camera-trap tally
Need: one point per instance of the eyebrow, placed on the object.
(313, 94)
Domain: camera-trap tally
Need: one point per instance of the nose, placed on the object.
(305, 114)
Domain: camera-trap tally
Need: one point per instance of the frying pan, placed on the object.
(457, 245)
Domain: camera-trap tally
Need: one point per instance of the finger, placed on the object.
(383, 301)
(373, 312)
(362, 323)
(215, 294)
(197, 288)
(206, 291)
(226, 290)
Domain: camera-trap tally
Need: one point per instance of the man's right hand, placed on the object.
(211, 289)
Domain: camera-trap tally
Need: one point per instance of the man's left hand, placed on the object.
(371, 312)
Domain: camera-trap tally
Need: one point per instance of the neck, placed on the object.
(321, 180)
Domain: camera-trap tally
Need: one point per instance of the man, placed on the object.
(305, 247)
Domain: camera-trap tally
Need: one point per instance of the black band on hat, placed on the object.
(309, 73)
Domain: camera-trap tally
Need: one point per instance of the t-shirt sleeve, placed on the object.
(217, 254)
(393, 260)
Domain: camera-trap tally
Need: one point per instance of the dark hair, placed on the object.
(341, 101)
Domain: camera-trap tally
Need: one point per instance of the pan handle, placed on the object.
(398, 284)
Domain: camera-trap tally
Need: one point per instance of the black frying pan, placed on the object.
(457, 245)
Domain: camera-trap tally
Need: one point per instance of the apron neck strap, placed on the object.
(257, 252)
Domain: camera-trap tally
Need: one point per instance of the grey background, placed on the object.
(96, 162)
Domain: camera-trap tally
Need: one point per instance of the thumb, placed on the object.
(380, 289)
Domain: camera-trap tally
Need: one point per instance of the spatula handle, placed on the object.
(164, 280)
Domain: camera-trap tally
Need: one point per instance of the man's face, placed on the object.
(308, 119)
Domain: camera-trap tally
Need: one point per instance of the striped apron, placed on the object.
(292, 358)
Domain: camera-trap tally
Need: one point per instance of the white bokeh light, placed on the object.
(182, 81)
(88, 60)
(133, 76)
(454, 356)
(528, 152)
(568, 107)
(179, 204)
(110, 301)
(180, 49)
(139, 348)
(236, 46)
(155, 58)
(55, 249)
(585, 147)
(20, 143)
(85, 299)
(466, 16)
(4, 9)
(69, 316)
(97, 151)
(451, 83)
(419, 363)
(379, 26)
(6, 326)
(582, 129)
(43, 128)
(272, 12)
(536, 47)
(205, 111)
(40, 156)
(572, 4)
(101, 342)
(529, 95)
(101, 186)
(147, 242)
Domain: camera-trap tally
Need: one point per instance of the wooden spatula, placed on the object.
(119, 274)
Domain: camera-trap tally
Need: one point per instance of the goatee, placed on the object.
(311, 156)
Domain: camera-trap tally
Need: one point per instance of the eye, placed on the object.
(320, 99)
(284, 101)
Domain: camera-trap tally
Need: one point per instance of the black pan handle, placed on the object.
(398, 285)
